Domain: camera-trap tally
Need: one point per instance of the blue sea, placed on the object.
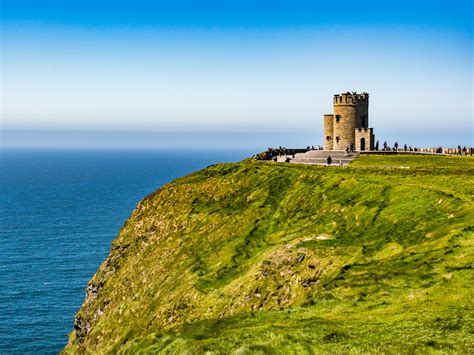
(59, 212)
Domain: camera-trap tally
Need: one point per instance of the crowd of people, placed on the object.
(271, 153)
(440, 150)
(308, 148)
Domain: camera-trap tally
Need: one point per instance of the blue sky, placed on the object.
(235, 66)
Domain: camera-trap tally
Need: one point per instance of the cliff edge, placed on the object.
(265, 257)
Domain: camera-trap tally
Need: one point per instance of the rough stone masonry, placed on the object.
(349, 125)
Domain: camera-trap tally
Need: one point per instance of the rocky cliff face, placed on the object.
(259, 257)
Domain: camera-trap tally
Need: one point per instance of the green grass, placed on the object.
(416, 161)
(259, 257)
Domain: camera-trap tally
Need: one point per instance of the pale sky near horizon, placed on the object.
(234, 66)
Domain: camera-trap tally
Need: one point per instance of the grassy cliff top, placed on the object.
(277, 258)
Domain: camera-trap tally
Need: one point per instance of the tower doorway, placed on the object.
(362, 144)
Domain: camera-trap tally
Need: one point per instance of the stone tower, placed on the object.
(349, 124)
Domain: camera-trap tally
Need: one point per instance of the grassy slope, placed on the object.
(268, 257)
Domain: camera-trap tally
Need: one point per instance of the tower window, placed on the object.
(328, 138)
(338, 118)
(337, 139)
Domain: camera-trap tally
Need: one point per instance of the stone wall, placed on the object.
(365, 134)
(363, 114)
(424, 151)
(328, 131)
(450, 151)
(345, 119)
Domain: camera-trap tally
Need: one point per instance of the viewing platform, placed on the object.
(319, 157)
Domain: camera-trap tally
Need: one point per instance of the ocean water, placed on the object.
(59, 212)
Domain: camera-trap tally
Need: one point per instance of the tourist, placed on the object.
(329, 160)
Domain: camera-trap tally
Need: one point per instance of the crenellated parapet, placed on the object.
(351, 98)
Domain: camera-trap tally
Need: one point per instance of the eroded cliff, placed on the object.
(268, 257)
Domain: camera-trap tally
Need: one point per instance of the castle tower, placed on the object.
(350, 112)
(328, 131)
(350, 123)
